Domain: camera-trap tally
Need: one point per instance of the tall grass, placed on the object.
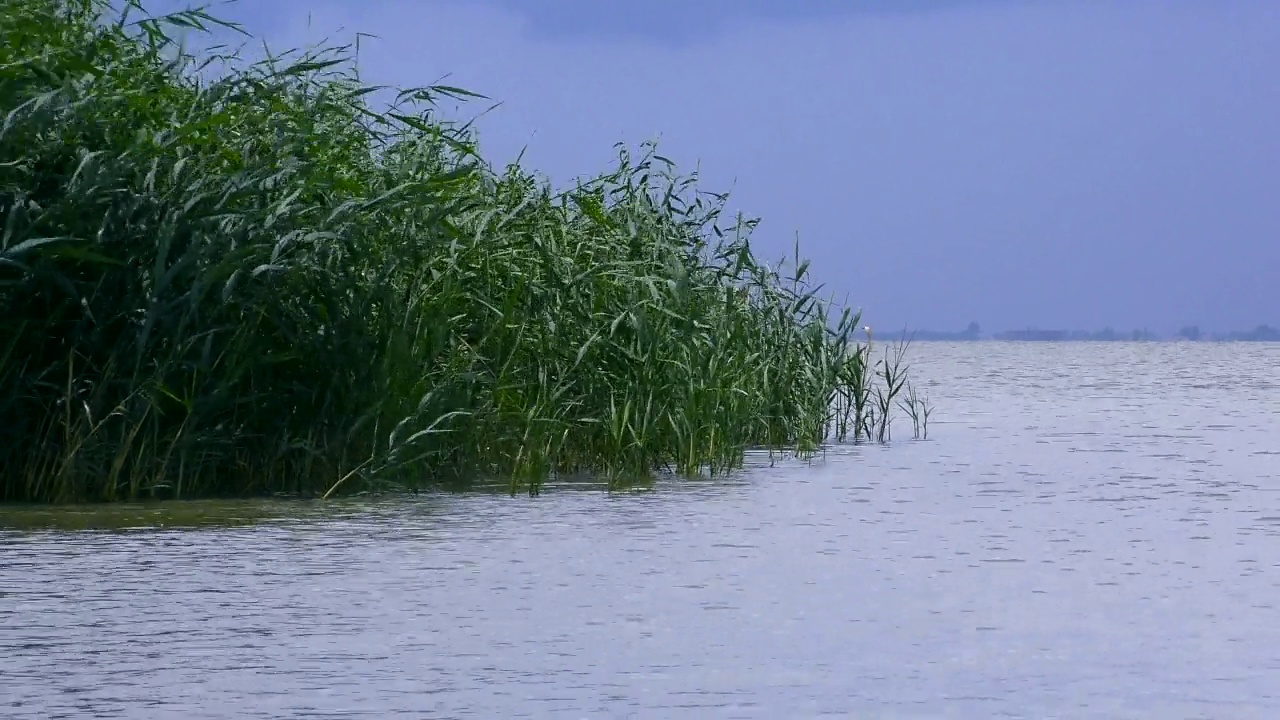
(260, 284)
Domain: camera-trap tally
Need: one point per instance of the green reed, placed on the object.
(258, 283)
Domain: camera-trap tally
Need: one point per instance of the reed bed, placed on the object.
(259, 283)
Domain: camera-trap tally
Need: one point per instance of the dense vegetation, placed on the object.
(252, 282)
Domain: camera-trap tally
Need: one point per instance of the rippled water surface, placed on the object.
(1092, 530)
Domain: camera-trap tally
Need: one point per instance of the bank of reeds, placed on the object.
(259, 284)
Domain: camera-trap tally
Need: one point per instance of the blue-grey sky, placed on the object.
(1049, 163)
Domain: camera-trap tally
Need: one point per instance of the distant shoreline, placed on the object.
(1168, 340)
(1261, 333)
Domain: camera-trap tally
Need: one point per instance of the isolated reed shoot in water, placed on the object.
(259, 284)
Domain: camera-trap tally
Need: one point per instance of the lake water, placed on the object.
(1092, 530)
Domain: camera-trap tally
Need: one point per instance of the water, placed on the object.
(1091, 531)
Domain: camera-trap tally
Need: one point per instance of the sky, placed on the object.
(1070, 164)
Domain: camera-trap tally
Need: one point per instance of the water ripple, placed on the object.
(1088, 533)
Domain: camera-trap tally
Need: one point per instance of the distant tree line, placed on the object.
(1261, 333)
(1193, 333)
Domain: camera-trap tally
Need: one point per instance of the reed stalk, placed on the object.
(261, 283)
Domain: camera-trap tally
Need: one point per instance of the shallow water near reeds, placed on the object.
(1092, 530)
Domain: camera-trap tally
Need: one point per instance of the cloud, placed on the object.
(680, 22)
